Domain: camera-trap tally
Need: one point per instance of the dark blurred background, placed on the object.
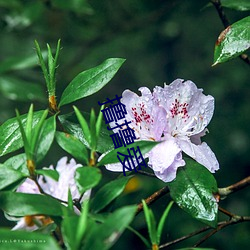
(161, 41)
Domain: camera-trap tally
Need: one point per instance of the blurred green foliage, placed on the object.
(161, 41)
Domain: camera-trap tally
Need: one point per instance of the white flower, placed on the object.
(58, 189)
(177, 115)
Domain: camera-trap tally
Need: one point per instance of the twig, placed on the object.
(223, 192)
(222, 15)
(42, 192)
(152, 198)
(235, 220)
(224, 211)
(226, 23)
(204, 229)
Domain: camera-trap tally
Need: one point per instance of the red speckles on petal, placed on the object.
(179, 109)
(140, 114)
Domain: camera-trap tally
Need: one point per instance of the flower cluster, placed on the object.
(177, 116)
(58, 189)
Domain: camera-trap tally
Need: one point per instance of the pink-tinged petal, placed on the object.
(201, 153)
(148, 119)
(189, 110)
(165, 158)
(29, 187)
(196, 139)
(48, 185)
(59, 189)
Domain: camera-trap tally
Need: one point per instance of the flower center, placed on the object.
(180, 110)
(140, 114)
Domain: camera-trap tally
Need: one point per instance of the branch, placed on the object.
(226, 23)
(152, 198)
(204, 229)
(223, 192)
(235, 220)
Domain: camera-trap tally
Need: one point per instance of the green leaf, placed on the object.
(70, 123)
(74, 228)
(106, 234)
(143, 239)
(46, 137)
(108, 193)
(53, 174)
(98, 124)
(111, 157)
(43, 65)
(193, 191)
(90, 81)
(241, 5)
(37, 132)
(162, 221)
(151, 223)
(84, 125)
(73, 146)
(8, 176)
(20, 204)
(92, 126)
(87, 177)
(70, 201)
(233, 41)
(19, 90)
(69, 230)
(18, 162)
(10, 136)
(16, 240)
(82, 223)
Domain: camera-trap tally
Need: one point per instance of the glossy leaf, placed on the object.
(73, 146)
(111, 157)
(87, 177)
(19, 90)
(241, 5)
(233, 41)
(151, 223)
(162, 221)
(92, 127)
(18, 162)
(90, 81)
(83, 223)
(10, 136)
(74, 228)
(16, 240)
(193, 191)
(70, 123)
(84, 125)
(8, 176)
(69, 230)
(53, 174)
(108, 193)
(98, 124)
(46, 137)
(20, 204)
(105, 235)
